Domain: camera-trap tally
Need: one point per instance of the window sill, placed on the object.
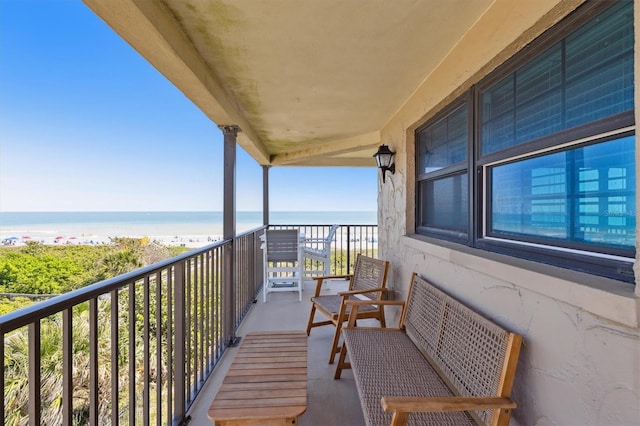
(607, 298)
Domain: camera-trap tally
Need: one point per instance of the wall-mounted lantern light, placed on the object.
(384, 158)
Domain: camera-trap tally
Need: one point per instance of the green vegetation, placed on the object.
(17, 364)
(36, 269)
(339, 263)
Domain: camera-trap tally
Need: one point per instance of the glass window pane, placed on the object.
(586, 77)
(599, 66)
(538, 118)
(541, 75)
(539, 96)
(445, 203)
(498, 116)
(605, 199)
(585, 195)
(444, 143)
(530, 197)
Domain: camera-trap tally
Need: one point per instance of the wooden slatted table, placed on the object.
(267, 382)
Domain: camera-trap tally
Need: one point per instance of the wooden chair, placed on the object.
(319, 250)
(367, 282)
(282, 261)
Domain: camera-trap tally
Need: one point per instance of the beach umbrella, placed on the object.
(59, 237)
(26, 237)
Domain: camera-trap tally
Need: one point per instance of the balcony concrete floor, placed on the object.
(329, 401)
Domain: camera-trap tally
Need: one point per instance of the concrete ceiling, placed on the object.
(308, 82)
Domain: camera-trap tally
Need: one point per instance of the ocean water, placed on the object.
(90, 226)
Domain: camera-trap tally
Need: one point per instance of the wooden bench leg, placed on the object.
(383, 322)
(340, 319)
(399, 419)
(503, 415)
(342, 364)
(335, 348)
(310, 323)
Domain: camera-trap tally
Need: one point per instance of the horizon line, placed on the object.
(176, 211)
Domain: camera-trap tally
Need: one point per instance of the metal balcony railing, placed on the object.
(138, 348)
(348, 241)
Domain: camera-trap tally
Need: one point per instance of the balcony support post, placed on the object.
(265, 194)
(229, 233)
(67, 367)
(35, 401)
(180, 330)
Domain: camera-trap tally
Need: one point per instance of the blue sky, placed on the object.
(86, 124)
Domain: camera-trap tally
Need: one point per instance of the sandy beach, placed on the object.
(187, 229)
(92, 229)
(192, 241)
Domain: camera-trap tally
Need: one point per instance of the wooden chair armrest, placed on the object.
(332, 277)
(402, 406)
(320, 281)
(371, 290)
(378, 328)
(374, 302)
(355, 305)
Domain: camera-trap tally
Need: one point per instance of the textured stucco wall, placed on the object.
(575, 368)
(580, 364)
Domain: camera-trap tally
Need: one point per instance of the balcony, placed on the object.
(152, 346)
(283, 312)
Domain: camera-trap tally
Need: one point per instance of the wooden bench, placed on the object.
(266, 384)
(445, 364)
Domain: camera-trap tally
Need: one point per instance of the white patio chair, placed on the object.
(283, 263)
(318, 249)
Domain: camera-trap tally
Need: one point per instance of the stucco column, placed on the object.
(229, 231)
